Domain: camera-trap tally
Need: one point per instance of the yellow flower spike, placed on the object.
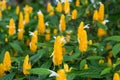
(82, 38)
(33, 47)
(101, 12)
(58, 51)
(85, 67)
(55, 31)
(2, 70)
(0, 15)
(74, 14)
(101, 32)
(26, 65)
(62, 25)
(67, 7)
(34, 40)
(11, 30)
(116, 76)
(61, 75)
(95, 15)
(47, 36)
(77, 3)
(21, 23)
(41, 24)
(4, 6)
(27, 18)
(90, 42)
(17, 10)
(7, 61)
(59, 7)
(101, 61)
(20, 34)
(28, 9)
(50, 9)
(109, 61)
(66, 68)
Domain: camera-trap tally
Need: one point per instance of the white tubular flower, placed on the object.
(105, 21)
(87, 26)
(39, 12)
(47, 24)
(31, 33)
(53, 73)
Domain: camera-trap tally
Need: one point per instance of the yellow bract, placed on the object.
(74, 14)
(41, 25)
(82, 38)
(67, 7)
(26, 65)
(34, 40)
(50, 9)
(116, 76)
(17, 10)
(61, 75)
(58, 51)
(62, 25)
(59, 7)
(7, 61)
(2, 70)
(11, 30)
(101, 12)
(77, 3)
(95, 15)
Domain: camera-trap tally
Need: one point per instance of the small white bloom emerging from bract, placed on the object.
(39, 12)
(87, 26)
(62, 1)
(53, 73)
(105, 21)
(31, 33)
(54, 37)
(47, 24)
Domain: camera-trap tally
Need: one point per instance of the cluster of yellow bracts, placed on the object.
(58, 52)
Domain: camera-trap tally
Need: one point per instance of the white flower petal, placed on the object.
(87, 26)
(39, 12)
(53, 73)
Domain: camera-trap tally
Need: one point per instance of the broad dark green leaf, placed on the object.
(40, 71)
(116, 49)
(94, 57)
(82, 63)
(102, 26)
(8, 76)
(106, 71)
(37, 56)
(113, 38)
(16, 47)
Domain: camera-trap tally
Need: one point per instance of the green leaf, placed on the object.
(113, 38)
(40, 71)
(37, 56)
(116, 49)
(82, 63)
(102, 26)
(106, 71)
(8, 76)
(15, 46)
(94, 57)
